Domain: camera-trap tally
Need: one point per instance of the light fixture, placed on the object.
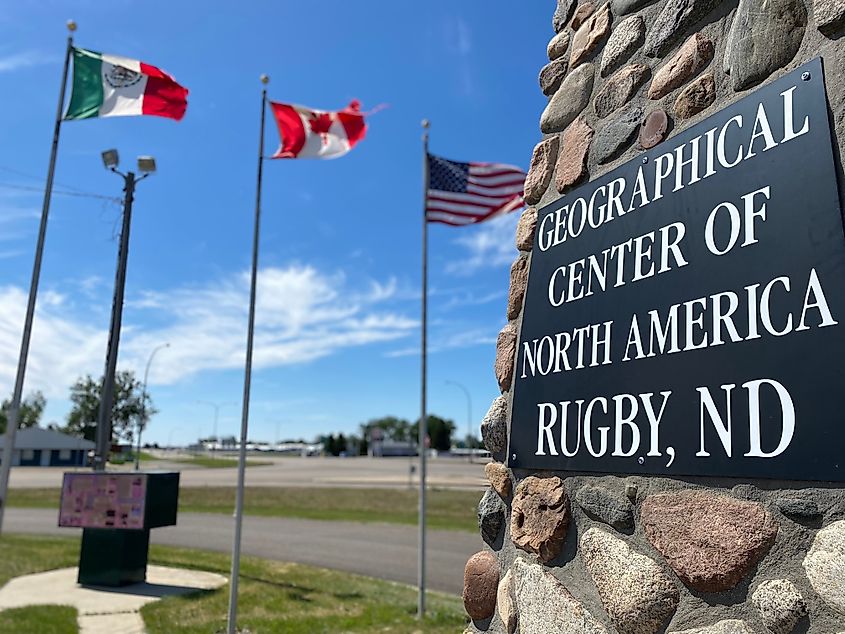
(146, 164)
(110, 159)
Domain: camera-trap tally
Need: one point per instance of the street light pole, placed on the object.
(216, 407)
(142, 423)
(170, 436)
(469, 410)
(104, 420)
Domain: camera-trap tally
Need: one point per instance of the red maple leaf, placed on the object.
(320, 123)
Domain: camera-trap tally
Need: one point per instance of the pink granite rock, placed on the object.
(505, 351)
(572, 157)
(540, 171)
(710, 541)
(690, 60)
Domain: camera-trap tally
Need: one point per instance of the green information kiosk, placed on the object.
(116, 512)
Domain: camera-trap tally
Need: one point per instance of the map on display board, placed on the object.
(103, 500)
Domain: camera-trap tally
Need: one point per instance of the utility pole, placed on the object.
(146, 164)
(104, 422)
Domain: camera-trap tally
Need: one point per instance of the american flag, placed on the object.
(467, 193)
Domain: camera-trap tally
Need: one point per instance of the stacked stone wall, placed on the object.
(577, 553)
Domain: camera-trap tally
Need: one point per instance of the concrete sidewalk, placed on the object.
(104, 610)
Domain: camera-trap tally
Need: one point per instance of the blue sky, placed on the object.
(337, 339)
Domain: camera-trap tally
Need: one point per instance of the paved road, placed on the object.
(453, 473)
(377, 550)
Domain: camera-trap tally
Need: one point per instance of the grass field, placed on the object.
(447, 510)
(21, 555)
(44, 619)
(274, 597)
(208, 462)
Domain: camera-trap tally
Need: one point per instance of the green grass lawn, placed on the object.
(209, 462)
(216, 463)
(20, 555)
(44, 619)
(274, 597)
(447, 509)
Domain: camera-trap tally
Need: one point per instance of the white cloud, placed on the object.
(458, 40)
(455, 340)
(26, 59)
(60, 350)
(16, 221)
(90, 285)
(464, 297)
(464, 37)
(489, 245)
(301, 315)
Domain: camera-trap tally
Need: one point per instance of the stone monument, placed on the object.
(649, 550)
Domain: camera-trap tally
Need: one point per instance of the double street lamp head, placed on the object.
(146, 164)
(110, 159)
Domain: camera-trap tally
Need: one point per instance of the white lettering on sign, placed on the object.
(622, 415)
(722, 423)
(695, 271)
(730, 145)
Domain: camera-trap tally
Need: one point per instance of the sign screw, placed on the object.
(641, 460)
(645, 159)
(513, 456)
(805, 76)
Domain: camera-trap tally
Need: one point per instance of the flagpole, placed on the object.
(14, 409)
(423, 427)
(239, 496)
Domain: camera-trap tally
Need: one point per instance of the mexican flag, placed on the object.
(113, 86)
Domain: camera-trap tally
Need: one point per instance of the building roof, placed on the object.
(39, 438)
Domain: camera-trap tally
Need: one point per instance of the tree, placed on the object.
(29, 415)
(472, 441)
(127, 408)
(439, 432)
(364, 445)
(393, 428)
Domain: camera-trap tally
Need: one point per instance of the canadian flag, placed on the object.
(308, 133)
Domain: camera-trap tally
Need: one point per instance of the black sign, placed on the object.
(685, 313)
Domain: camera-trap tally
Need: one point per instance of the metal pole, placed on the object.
(104, 420)
(239, 497)
(143, 422)
(469, 411)
(214, 432)
(423, 427)
(170, 436)
(14, 408)
(216, 407)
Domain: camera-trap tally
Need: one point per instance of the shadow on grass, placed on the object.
(295, 591)
(298, 592)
